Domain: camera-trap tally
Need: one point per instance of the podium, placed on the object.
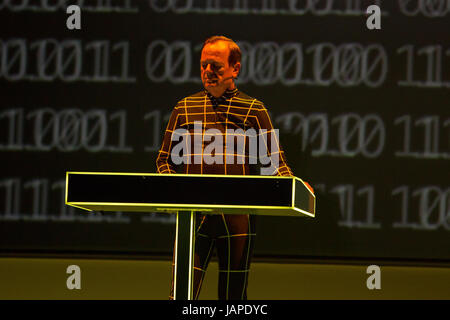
(184, 195)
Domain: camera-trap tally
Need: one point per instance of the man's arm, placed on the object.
(269, 140)
(274, 149)
(163, 161)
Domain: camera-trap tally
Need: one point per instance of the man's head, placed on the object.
(220, 64)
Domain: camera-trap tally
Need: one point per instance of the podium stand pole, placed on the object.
(184, 256)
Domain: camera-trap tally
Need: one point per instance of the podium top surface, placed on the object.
(229, 194)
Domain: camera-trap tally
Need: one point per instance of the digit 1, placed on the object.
(125, 48)
(434, 63)
(15, 132)
(40, 194)
(101, 59)
(407, 137)
(409, 66)
(404, 224)
(431, 140)
(66, 212)
(122, 116)
(345, 193)
(12, 198)
(369, 223)
(156, 123)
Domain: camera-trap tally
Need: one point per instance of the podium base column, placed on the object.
(184, 256)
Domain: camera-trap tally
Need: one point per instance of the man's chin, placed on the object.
(214, 90)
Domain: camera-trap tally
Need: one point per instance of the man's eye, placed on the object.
(214, 67)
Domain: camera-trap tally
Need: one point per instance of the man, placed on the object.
(223, 110)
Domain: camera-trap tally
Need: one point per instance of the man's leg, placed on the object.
(235, 250)
(204, 247)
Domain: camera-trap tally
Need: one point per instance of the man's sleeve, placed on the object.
(163, 162)
(269, 140)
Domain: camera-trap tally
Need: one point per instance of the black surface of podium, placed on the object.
(186, 194)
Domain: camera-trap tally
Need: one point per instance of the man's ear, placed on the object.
(236, 69)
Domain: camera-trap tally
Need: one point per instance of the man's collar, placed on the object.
(228, 94)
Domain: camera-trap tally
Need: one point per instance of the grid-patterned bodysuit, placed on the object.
(233, 235)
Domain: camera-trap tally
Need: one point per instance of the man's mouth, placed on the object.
(211, 81)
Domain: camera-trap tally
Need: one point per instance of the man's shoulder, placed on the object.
(191, 98)
(201, 93)
(256, 103)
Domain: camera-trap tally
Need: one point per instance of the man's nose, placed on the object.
(209, 70)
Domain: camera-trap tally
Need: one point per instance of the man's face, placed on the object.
(217, 75)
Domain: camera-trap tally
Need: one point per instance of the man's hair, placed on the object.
(235, 51)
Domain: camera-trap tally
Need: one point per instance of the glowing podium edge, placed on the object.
(199, 207)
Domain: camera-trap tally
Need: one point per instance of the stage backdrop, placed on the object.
(364, 117)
